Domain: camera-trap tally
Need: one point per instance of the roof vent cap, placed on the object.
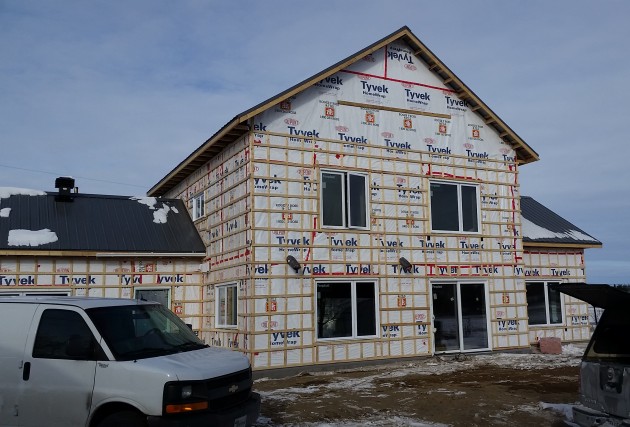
(64, 184)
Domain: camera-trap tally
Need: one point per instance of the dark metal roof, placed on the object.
(100, 223)
(603, 296)
(238, 126)
(549, 227)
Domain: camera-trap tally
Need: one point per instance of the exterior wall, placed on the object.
(226, 230)
(390, 119)
(560, 265)
(108, 277)
(401, 152)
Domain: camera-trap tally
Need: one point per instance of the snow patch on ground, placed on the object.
(373, 421)
(437, 365)
(573, 350)
(288, 394)
(562, 408)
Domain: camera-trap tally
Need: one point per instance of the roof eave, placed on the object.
(525, 153)
(527, 244)
(227, 134)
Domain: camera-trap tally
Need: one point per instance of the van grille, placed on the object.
(229, 390)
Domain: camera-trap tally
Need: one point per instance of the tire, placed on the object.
(123, 418)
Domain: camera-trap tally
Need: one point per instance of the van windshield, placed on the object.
(141, 331)
(610, 340)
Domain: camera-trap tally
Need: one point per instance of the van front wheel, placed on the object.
(124, 418)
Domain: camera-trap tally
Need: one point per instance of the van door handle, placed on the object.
(26, 371)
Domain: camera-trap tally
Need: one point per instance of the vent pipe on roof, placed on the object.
(64, 184)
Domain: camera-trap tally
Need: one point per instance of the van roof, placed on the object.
(82, 302)
(603, 296)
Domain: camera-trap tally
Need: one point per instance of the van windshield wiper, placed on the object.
(147, 352)
(189, 346)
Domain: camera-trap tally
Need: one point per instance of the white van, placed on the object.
(605, 367)
(100, 362)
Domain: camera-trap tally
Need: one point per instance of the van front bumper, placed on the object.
(243, 415)
(586, 417)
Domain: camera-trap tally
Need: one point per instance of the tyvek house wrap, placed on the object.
(347, 122)
(450, 142)
(390, 118)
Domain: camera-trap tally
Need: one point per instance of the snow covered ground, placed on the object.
(370, 380)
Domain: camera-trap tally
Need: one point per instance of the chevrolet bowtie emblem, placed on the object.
(233, 388)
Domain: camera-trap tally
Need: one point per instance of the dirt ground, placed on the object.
(465, 394)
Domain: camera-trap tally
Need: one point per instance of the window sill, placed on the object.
(474, 233)
(341, 340)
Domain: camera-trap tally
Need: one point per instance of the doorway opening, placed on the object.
(460, 317)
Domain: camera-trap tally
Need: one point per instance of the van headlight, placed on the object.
(182, 397)
(186, 391)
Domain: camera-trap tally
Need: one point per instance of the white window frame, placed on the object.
(198, 206)
(546, 290)
(353, 301)
(217, 306)
(37, 293)
(345, 189)
(137, 289)
(458, 291)
(460, 217)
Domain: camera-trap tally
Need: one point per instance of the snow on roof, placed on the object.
(535, 232)
(31, 237)
(149, 201)
(160, 215)
(6, 192)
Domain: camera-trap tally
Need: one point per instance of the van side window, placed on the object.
(63, 334)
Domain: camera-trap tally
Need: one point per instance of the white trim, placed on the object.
(345, 189)
(353, 299)
(196, 207)
(460, 218)
(149, 254)
(460, 328)
(217, 297)
(546, 284)
(154, 288)
(33, 292)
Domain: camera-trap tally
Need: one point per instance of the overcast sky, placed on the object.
(116, 94)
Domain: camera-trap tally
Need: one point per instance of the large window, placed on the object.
(344, 200)
(544, 305)
(198, 206)
(454, 207)
(346, 309)
(227, 306)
